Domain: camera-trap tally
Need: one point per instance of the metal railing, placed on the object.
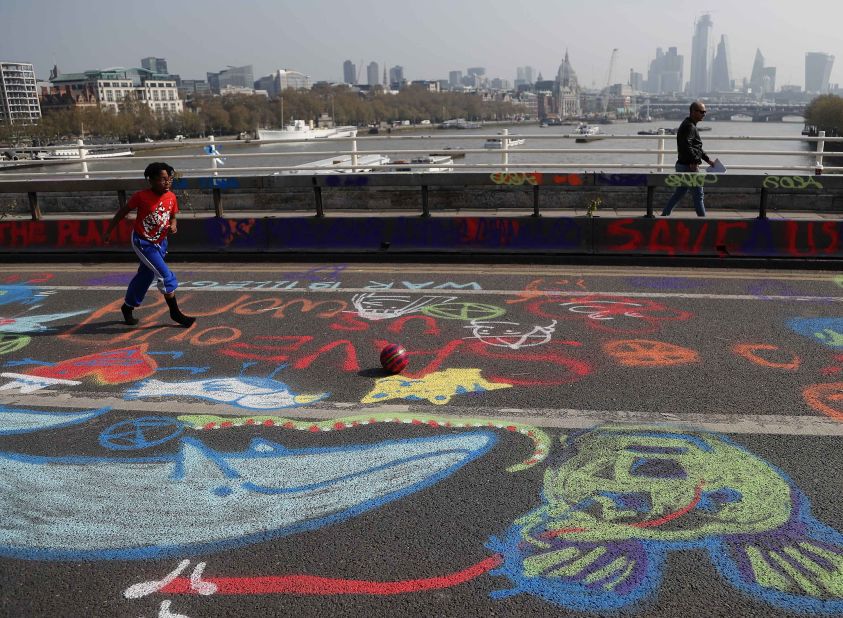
(207, 161)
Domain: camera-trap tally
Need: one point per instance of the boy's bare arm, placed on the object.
(117, 218)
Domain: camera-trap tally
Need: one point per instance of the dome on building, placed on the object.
(566, 76)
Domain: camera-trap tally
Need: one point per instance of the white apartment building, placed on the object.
(110, 88)
(18, 94)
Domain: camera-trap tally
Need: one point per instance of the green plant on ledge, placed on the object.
(593, 205)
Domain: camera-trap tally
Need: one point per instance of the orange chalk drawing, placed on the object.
(749, 352)
(826, 398)
(648, 353)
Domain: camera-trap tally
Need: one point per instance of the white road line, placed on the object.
(557, 418)
(427, 291)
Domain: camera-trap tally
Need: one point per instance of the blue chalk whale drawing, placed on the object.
(200, 500)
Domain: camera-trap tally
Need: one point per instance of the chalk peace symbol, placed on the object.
(464, 311)
(140, 433)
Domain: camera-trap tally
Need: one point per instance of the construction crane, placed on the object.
(609, 80)
(611, 67)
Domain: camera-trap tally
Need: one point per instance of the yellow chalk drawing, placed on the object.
(437, 388)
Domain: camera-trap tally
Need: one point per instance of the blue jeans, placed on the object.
(696, 194)
(152, 268)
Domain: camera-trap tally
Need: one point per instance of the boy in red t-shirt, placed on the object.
(156, 217)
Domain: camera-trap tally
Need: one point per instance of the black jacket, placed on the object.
(689, 144)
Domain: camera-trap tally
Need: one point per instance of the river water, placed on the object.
(719, 141)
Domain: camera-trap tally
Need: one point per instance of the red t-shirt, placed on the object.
(154, 211)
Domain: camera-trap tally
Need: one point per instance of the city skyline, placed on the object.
(428, 41)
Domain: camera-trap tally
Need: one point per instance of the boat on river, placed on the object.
(72, 153)
(498, 142)
(430, 164)
(301, 130)
(587, 133)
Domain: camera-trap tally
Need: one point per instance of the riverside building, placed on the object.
(18, 94)
(111, 88)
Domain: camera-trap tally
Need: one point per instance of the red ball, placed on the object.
(394, 358)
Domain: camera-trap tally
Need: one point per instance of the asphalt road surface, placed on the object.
(564, 441)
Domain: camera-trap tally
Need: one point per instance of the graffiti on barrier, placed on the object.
(516, 178)
(621, 498)
(253, 393)
(791, 182)
(572, 180)
(690, 180)
(437, 388)
(206, 500)
(512, 335)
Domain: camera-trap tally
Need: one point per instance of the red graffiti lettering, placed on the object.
(634, 238)
(349, 364)
(270, 353)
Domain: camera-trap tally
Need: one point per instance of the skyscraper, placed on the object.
(666, 72)
(721, 72)
(372, 74)
(817, 71)
(396, 76)
(349, 72)
(156, 65)
(701, 56)
(756, 79)
(454, 78)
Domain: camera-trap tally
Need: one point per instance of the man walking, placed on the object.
(691, 154)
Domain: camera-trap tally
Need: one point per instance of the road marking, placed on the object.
(557, 418)
(549, 294)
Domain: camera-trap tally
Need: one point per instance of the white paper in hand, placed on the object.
(716, 168)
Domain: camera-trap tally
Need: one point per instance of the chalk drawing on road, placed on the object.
(540, 439)
(463, 311)
(109, 367)
(9, 344)
(649, 353)
(201, 500)
(140, 433)
(252, 393)
(23, 294)
(24, 383)
(752, 353)
(826, 398)
(828, 331)
(18, 420)
(34, 323)
(620, 498)
(438, 387)
(374, 306)
(511, 335)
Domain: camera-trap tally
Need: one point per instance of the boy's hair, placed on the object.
(153, 170)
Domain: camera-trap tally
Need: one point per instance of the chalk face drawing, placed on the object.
(244, 392)
(828, 331)
(511, 335)
(619, 498)
(17, 420)
(201, 500)
(438, 388)
(387, 306)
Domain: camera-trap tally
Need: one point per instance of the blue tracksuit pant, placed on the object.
(152, 268)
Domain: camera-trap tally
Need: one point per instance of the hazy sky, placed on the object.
(428, 37)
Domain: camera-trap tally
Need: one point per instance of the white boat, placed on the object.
(460, 123)
(341, 164)
(587, 133)
(497, 142)
(301, 130)
(430, 164)
(72, 153)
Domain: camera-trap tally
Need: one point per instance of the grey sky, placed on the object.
(427, 38)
